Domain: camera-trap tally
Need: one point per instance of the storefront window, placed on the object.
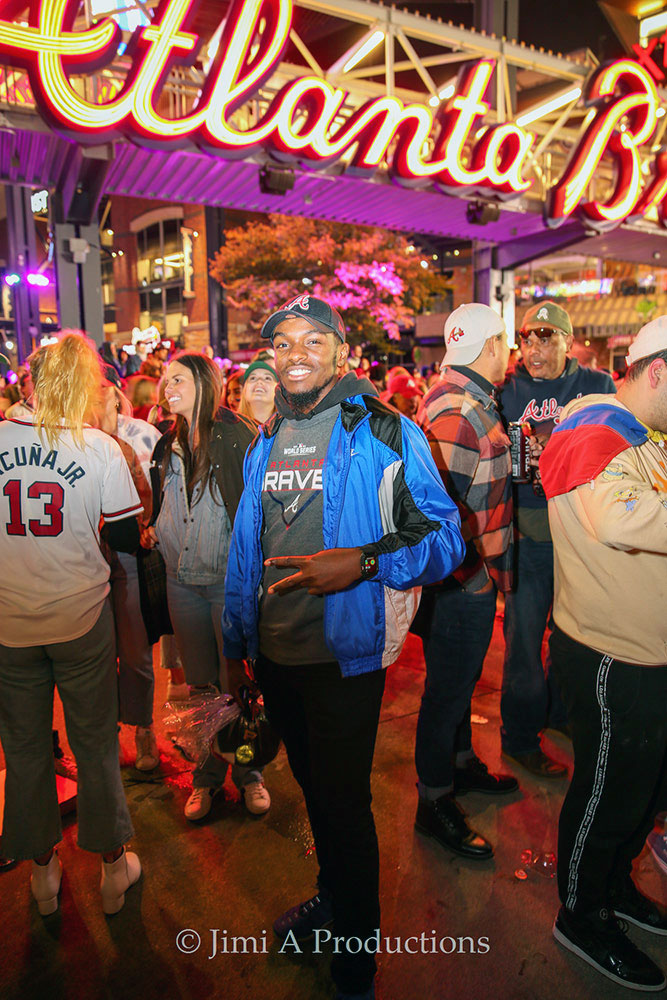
(160, 270)
(108, 291)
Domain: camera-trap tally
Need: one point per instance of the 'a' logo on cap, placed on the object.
(302, 301)
(543, 313)
(455, 334)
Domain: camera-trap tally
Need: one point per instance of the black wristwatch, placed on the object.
(369, 565)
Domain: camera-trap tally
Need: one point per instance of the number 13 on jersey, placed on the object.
(49, 523)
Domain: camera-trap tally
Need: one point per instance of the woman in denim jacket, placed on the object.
(197, 478)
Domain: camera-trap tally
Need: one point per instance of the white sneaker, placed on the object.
(45, 884)
(148, 757)
(257, 798)
(177, 692)
(117, 877)
(200, 802)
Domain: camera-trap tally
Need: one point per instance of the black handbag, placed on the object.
(249, 739)
(152, 575)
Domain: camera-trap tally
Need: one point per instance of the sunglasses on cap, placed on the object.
(543, 333)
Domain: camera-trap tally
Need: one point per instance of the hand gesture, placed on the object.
(322, 573)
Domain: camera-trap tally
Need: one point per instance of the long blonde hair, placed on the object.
(68, 387)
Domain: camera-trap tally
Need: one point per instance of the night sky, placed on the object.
(579, 23)
(562, 26)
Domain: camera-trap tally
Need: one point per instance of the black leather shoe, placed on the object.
(600, 940)
(445, 821)
(474, 776)
(629, 903)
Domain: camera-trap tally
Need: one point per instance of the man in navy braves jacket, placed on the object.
(344, 511)
(535, 393)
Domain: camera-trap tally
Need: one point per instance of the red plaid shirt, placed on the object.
(471, 451)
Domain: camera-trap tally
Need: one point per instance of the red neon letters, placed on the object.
(303, 119)
(626, 103)
(52, 50)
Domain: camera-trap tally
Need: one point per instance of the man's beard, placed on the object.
(302, 401)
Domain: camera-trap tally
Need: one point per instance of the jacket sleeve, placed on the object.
(233, 633)
(424, 542)
(233, 638)
(624, 510)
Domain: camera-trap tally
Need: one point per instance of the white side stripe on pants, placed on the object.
(598, 782)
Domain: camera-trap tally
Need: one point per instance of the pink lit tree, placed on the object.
(378, 279)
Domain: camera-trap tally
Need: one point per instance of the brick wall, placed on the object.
(123, 211)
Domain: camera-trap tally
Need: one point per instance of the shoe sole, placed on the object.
(454, 850)
(638, 923)
(569, 946)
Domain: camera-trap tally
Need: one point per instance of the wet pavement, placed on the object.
(451, 928)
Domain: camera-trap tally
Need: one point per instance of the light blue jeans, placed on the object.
(196, 616)
(136, 681)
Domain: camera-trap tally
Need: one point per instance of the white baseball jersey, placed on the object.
(54, 578)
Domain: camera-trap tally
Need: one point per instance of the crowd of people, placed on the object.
(378, 501)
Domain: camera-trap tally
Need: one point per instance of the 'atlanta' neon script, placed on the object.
(299, 121)
(303, 119)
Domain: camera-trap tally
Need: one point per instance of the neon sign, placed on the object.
(300, 119)
(626, 101)
(303, 119)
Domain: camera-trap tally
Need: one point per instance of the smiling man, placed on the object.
(536, 392)
(345, 513)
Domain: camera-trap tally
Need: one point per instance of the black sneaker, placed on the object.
(445, 821)
(474, 776)
(632, 905)
(306, 918)
(600, 940)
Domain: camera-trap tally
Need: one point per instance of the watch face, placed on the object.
(369, 566)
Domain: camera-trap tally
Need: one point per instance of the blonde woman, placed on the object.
(61, 477)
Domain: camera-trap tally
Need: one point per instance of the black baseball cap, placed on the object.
(316, 311)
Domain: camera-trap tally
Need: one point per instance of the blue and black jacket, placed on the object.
(381, 490)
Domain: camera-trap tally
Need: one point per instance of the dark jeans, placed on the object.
(329, 724)
(84, 671)
(460, 632)
(530, 698)
(619, 723)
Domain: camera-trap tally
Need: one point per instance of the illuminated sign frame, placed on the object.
(300, 122)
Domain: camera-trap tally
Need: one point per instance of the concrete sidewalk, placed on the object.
(234, 874)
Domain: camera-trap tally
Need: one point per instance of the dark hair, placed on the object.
(640, 366)
(208, 389)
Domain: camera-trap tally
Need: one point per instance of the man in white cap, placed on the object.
(604, 472)
(471, 451)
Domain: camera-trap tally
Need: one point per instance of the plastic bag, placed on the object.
(214, 723)
(191, 725)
